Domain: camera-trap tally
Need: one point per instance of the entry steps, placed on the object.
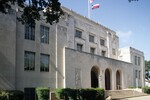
(121, 94)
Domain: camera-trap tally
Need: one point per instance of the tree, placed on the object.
(147, 70)
(51, 10)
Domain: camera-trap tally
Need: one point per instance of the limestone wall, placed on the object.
(7, 50)
(85, 61)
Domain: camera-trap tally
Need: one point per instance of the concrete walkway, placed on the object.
(138, 98)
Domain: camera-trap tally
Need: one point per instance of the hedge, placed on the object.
(146, 89)
(80, 94)
(66, 93)
(11, 95)
(42, 93)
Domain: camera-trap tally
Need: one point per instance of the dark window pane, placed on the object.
(44, 34)
(79, 47)
(92, 50)
(91, 38)
(29, 60)
(78, 34)
(103, 53)
(44, 63)
(102, 42)
(29, 32)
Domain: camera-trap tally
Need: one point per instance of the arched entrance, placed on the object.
(94, 77)
(107, 80)
(118, 80)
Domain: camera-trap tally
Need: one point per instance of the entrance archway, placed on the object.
(118, 80)
(94, 77)
(107, 80)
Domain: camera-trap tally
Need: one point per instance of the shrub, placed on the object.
(66, 94)
(59, 93)
(11, 95)
(88, 94)
(70, 93)
(100, 94)
(146, 89)
(3, 95)
(80, 94)
(42, 93)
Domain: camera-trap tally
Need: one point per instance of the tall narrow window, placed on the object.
(139, 61)
(139, 74)
(113, 51)
(102, 42)
(78, 34)
(44, 63)
(29, 32)
(29, 60)
(136, 74)
(91, 38)
(135, 58)
(103, 53)
(92, 50)
(44, 34)
(79, 47)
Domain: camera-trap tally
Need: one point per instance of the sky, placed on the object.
(130, 20)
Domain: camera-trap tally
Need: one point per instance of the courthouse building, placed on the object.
(75, 53)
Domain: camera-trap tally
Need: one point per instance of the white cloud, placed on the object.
(124, 36)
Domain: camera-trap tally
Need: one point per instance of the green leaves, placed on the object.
(11, 95)
(42, 93)
(32, 10)
(80, 94)
(29, 15)
(146, 89)
(147, 70)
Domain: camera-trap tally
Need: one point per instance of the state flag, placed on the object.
(95, 6)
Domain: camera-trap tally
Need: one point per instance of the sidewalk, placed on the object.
(138, 98)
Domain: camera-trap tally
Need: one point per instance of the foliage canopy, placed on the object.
(147, 70)
(51, 10)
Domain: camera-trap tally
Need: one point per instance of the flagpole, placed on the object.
(89, 12)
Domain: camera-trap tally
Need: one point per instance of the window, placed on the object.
(44, 63)
(29, 32)
(29, 60)
(91, 38)
(136, 72)
(79, 47)
(139, 61)
(113, 51)
(103, 53)
(78, 34)
(92, 50)
(44, 34)
(102, 42)
(139, 74)
(29, 94)
(135, 58)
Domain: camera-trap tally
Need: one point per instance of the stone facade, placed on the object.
(81, 52)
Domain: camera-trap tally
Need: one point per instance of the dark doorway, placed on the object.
(30, 94)
(94, 77)
(107, 80)
(118, 80)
